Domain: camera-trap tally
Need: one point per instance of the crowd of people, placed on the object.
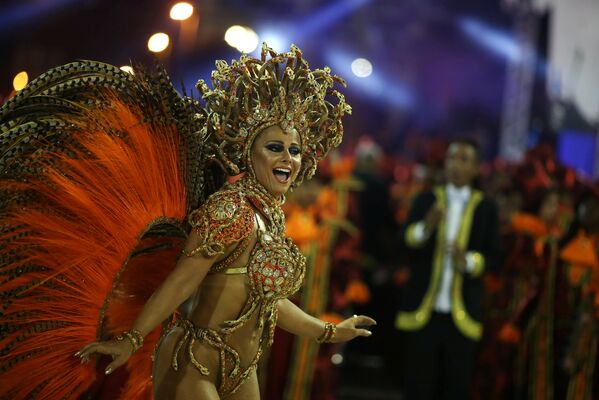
(506, 310)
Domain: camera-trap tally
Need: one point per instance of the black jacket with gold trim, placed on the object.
(478, 235)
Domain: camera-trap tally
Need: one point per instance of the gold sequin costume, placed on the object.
(275, 271)
(248, 96)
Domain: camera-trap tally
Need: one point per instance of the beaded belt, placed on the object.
(214, 339)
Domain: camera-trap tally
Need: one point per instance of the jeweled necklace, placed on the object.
(267, 204)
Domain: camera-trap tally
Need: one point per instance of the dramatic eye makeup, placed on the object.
(295, 150)
(276, 147)
(279, 147)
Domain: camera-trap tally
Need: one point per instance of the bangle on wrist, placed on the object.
(134, 337)
(328, 335)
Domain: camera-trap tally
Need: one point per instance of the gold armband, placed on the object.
(328, 335)
(134, 337)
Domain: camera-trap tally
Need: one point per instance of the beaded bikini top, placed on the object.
(275, 268)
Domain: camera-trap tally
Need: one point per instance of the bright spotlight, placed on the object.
(158, 42)
(500, 42)
(249, 42)
(181, 11)
(127, 68)
(234, 35)
(242, 38)
(20, 80)
(386, 88)
(361, 67)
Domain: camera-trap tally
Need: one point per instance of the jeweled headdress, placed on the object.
(252, 94)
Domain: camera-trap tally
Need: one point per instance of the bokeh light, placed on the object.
(181, 11)
(275, 38)
(242, 38)
(20, 80)
(336, 359)
(127, 68)
(361, 67)
(158, 42)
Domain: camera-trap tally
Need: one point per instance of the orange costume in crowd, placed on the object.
(532, 322)
(105, 175)
(551, 322)
(581, 260)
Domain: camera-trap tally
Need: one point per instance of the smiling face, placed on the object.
(276, 158)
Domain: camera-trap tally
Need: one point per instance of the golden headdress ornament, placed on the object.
(252, 94)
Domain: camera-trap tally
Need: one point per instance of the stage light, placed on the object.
(158, 42)
(242, 38)
(233, 35)
(281, 34)
(378, 85)
(127, 68)
(274, 39)
(20, 80)
(361, 67)
(181, 11)
(336, 359)
(327, 15)
(249, 41)
(498, 41)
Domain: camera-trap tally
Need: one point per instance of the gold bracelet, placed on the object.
(332, 333)
(134, 337)
(191, 253)
(328, 335)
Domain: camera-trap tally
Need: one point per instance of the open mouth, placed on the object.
(282, 174)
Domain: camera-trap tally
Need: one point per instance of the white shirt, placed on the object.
(457, 198)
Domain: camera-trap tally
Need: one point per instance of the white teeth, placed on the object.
(282, 171)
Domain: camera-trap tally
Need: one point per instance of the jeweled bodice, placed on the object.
(276, 267)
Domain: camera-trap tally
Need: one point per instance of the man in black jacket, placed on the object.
(452, 234)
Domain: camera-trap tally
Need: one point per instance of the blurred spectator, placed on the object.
(453, 235)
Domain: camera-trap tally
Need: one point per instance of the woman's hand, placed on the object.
(119, 350)
(348, 329)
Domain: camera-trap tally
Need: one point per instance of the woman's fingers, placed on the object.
(352, 333)
(363, 320)
(95, 347)
(117, 362)
(85, 349)
(364, 332)
(111, 348)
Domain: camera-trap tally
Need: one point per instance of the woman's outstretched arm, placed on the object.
(218, 226)
(180, 284)
(293, 320)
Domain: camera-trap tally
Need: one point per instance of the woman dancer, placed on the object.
(125, 162)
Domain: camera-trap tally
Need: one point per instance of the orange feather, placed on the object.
(92, 209)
